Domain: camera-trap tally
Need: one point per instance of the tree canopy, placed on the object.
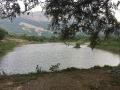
(90, 16)
(71, 16)
(11, 8)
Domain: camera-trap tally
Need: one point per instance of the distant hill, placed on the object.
(36, 16)
(16, 27)
(34, 24)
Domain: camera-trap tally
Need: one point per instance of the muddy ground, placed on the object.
(70, 79)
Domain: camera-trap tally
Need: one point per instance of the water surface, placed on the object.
(25, 59)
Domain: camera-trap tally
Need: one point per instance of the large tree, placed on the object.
(91, 16)
(71, 16)
(11, 8)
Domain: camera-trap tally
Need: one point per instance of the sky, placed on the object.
(117, 12)
(39, 8)
(36, 9)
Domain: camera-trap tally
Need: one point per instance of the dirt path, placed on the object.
(72, 80)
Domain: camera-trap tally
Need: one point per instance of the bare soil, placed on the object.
(91, 79)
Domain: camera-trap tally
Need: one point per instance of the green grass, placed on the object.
(75, 41)
(112, 45)
(6, 47)
(52, 39)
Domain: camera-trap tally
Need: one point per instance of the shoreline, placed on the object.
(105, 73)
(94, 78)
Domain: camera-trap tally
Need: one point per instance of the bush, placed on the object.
(96, 67)
(38, 69)
(55, 68)
(3, 33)
(77, 45)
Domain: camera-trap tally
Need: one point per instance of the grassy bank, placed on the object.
(96, 78)
(111, 45)
(55, 39)
(6, 46)
(9, 43)
(12, 41)
(81, 40)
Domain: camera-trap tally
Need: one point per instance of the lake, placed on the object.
(24, 59)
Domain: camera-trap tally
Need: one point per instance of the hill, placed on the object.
(36, 28)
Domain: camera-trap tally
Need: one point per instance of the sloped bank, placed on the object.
(10, 43)
(96, 78)
(111, 45)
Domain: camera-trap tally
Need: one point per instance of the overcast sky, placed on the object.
(38, 8)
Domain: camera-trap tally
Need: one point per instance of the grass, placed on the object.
(41, 39)
(76, 41)
(111, 45)
(6, 47)
(12, 41)
(8, 43)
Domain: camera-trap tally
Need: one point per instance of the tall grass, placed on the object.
(112, 45)
(6, 46)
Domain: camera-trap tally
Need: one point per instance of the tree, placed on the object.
(91, 16)
(3, 33)
(71, 16)
(11, 8)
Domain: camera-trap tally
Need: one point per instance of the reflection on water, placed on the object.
(25, 59)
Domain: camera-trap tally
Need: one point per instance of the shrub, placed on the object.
(77, 45)
(3, 33)
(38, 69)
(55, 68)
(96, 67)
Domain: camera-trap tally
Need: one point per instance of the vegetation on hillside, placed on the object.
(111, 44)
(69, 16)
(3, 33)
(6, 46)
(40, 38)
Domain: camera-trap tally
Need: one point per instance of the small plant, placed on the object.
(118, 65)
(107, 67)
(70, 69)
(38, 69)
(77, 45)
(55, 68)
(3, 73)
(96, 67)
(0, 74)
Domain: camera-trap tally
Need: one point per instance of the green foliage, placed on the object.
(88, 16)
(77, 45)
(38, 69)
(11, 8)
(112, 45)
(3, 33)
(67, 33)
(55, 68)
(70, 69)
(40, 38)
(6, 46)
(96, 67)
